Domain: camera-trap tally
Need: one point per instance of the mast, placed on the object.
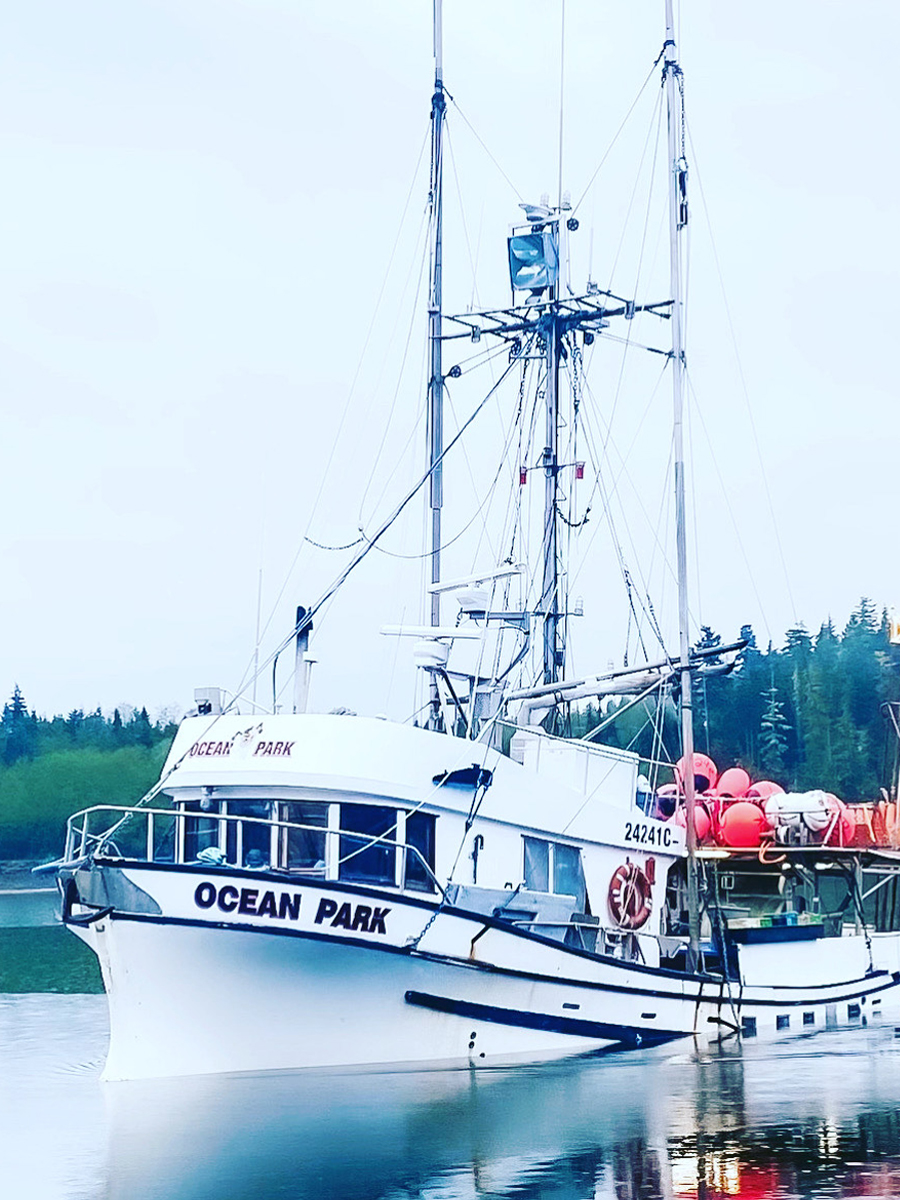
(678, 216)
(550, 583)
(436, 376)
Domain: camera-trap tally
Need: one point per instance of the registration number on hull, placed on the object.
(643, 833)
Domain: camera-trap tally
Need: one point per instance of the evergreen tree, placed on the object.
(703, 685)
(140, 729)
(744, 703)
(74, 724)
(17, 730)
(773, 734)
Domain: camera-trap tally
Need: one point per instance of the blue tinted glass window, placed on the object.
(362, 860)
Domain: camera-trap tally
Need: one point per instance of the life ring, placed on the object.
(630, 896)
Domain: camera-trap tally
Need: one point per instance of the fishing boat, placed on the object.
(477, 886)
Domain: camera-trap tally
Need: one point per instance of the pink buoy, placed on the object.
(705, 772)
(702, 822)
(734, 783)
(742, 825)
(763, 790)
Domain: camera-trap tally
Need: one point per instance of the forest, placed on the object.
(812, 713)
(51, 767)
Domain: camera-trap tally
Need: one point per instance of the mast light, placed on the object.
(533, 261)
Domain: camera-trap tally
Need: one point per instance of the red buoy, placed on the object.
(733, 783)
(705, 772)
(702, 822)
(742, 825)
(764, 789)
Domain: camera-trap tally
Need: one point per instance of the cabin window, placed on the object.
(249, 843)
(199, 832)
(304, 849)
(363, 861)
(420, 836)
(537, 865)
(568, 877)
(556, 862)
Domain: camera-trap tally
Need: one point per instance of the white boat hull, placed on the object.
(199, 990)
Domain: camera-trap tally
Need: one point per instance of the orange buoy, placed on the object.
(734, 783)
(763, 790)
(702, 820)
(705, 772)
(742, 825)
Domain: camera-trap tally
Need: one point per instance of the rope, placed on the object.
(322, 546)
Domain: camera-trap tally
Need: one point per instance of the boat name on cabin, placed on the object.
(362, 918)
(223, 749)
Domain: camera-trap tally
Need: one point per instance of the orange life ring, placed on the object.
(630, 896)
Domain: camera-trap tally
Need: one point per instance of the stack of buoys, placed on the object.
(734, 811)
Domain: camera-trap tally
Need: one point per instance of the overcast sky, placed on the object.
(200, 211)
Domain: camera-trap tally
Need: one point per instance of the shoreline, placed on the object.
(16, 876)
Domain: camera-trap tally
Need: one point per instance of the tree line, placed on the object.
(812, 713)
(52, 767)
(25, 735)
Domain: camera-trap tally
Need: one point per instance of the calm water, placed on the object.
(811, 1117)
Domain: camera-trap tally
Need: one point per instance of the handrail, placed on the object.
(78, 834)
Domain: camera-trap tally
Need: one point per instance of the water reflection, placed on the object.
(817, 1117)
(810, 1117)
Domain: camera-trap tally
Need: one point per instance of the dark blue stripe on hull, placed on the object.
(624, 1035)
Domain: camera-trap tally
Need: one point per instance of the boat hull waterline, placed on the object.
(197, 987)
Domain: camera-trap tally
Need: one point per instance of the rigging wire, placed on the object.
(607, 496)
(344, 413)
(483, 504)
(743, 380)
(393, 408)
(370, 544)
(655, 125)
(727, 499)
(468, 462)
(462, 210)
(413, 434)
(478, 139)
(616, 136)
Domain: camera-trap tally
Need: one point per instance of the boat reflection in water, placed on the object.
(819, 1113)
